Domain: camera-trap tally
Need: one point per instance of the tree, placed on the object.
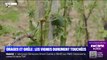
(41, 17)
(54, 9)
(86, 17)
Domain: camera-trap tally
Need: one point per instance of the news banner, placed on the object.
(96, 50)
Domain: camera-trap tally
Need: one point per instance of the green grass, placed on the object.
(6, 29)
(33, 43)
(9, 14)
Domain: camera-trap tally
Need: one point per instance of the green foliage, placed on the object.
(63, 38)
(69, 3)
(80, 31)
(62, 3)
(9, 14)
(66, 3)
(91, 5)
(57, 31)
(48, 5)
(31, 5)
(59, 22)
(34, 31)
(18, 33)
(31, 26)
(31, 13)
(36, 34)
(102, 34)
(6, 29)
(31, 9)
(1, 27)
(78, 5)
(68, 20)
(33, 43)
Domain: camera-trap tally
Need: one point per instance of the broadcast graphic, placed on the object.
(97, 49)
(92, 54)
(53, 29)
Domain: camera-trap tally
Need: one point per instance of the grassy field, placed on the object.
(9, 14)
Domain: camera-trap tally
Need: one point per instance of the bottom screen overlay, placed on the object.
(96, 50)
(48, 56)
(44, 56)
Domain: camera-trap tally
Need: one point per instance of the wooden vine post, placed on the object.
(42, 21)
